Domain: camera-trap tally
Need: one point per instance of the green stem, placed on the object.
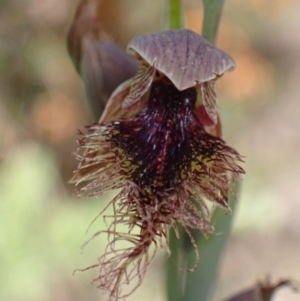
(212, 15)
(174, 15)
(173, 19)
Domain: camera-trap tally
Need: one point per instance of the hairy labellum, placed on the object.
(159, 142)
(161, 158)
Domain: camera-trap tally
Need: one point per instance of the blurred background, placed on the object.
(42, 104)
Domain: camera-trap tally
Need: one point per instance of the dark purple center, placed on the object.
(163, 139)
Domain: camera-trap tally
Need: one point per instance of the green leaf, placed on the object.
(200, 284)
(212, 15)
(173, 274)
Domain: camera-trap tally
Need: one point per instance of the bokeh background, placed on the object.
(42, 104)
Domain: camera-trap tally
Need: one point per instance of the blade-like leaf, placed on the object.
(200, 284)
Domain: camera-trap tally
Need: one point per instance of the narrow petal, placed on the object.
(139, 86)
(213, 125)
(113, 109)
(209, 100)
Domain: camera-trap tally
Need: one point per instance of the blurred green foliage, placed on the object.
(43, 231)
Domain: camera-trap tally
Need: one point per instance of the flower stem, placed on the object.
(173, 18)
